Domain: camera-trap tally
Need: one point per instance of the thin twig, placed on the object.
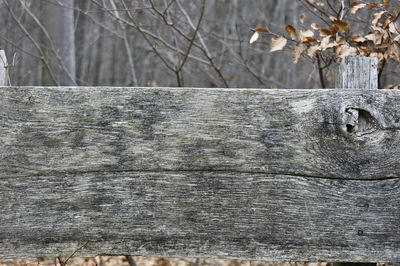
(311, 7)
(320, 72)
(152, 35)
(73, 253)
(131, 260)
(166, 63)
(168, 6)
(37, 46)
(342, 10)
(203, 46)
(126, 44)
(179, 76)
(203, 6)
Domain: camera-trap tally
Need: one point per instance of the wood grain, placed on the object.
(240, 173)
(357, 72)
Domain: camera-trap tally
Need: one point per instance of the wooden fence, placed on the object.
(260, 174)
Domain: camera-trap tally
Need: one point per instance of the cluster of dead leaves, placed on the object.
(336, 40)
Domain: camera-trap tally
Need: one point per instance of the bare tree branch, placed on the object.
(37, 46)
(54, 50)
(126, 43)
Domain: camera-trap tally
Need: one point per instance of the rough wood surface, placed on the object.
(3, 68)
(242, 173)
(358, 73)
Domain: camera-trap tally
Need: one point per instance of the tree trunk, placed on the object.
(3, 68)
(58, 42)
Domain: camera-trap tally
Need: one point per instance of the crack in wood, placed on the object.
(205, 171)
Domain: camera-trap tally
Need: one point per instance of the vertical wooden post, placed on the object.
(357, 73)
(3, 68)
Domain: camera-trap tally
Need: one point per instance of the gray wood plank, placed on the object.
(296, 132)
(200, 214)
(240, 173)
(357, 72)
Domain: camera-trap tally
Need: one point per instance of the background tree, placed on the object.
(163, 42)
(113, 49)
(58, 42)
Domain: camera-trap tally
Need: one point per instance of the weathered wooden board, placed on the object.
(296, 132)
(244, 173)
(357, 72)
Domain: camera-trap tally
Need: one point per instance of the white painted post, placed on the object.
(3, 68)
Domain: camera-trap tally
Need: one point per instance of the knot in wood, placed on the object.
(359, 121)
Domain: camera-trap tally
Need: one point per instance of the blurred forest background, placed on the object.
(150, 43)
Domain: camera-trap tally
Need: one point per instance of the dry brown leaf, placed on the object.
(357, 38)
(372, 5)
(309, 39)
(277, 43)
(314, 26)
(264, 30)
(297, 52)
(345, 50)
(326, 43)
(305, 35)
(340, 40)
(370, 37)
(396, 12)
(385, 3)
(376, 17)
(392, 87)
(302, 18)
(334, 28)
(353, 4)
(325, 32)
(365, 50)
(378, 29)
(342, 25)
(376, 38)
(394, 27)
(386, 22)
(313, 50)
(254, 37)
(291, 31)
(380, 56)
(357, 7)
